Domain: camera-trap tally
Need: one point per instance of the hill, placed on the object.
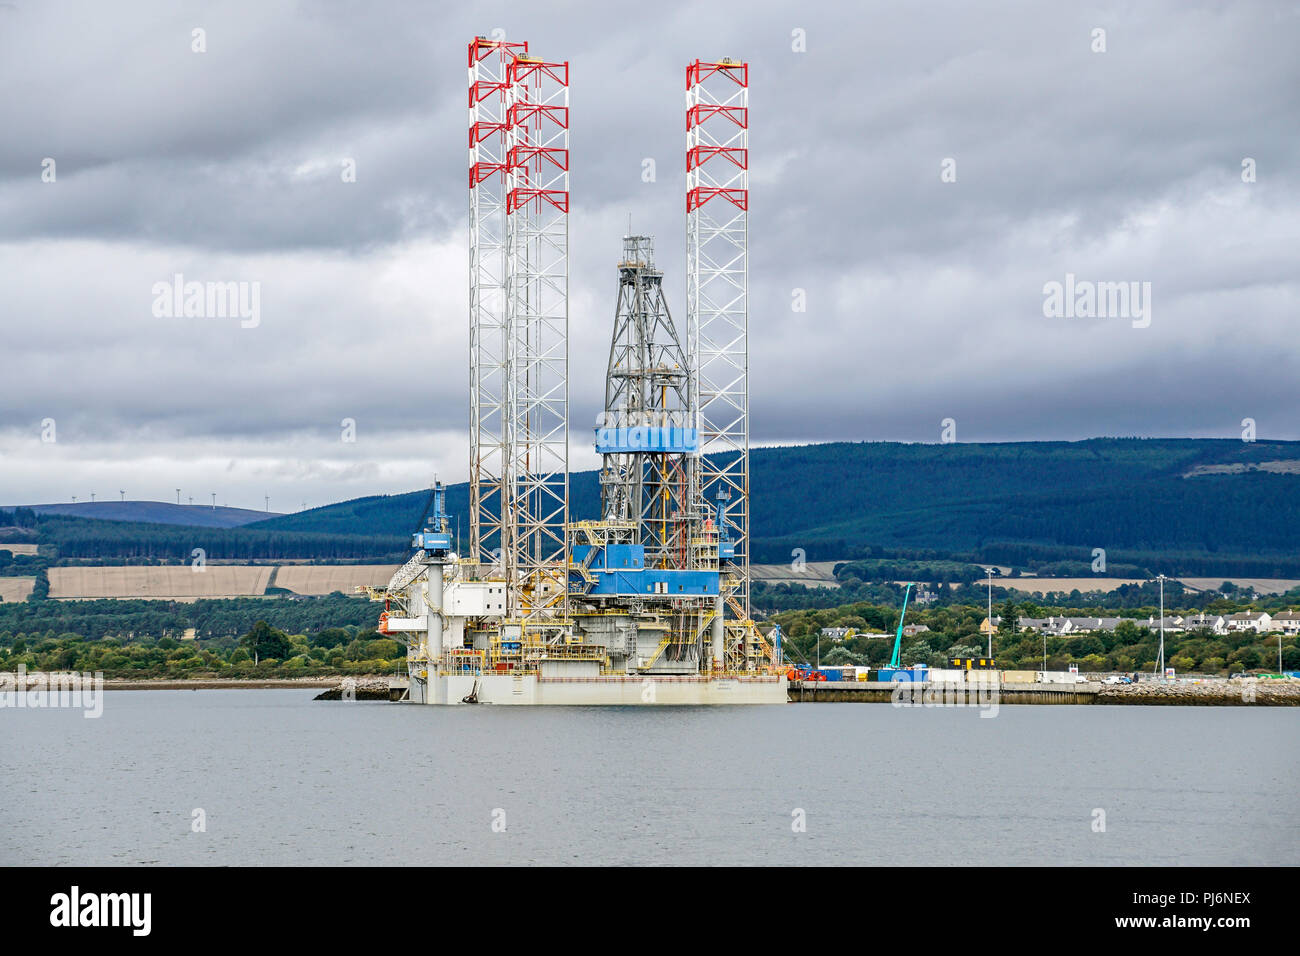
(1206, 499)
(1186, 506)
(153, 512)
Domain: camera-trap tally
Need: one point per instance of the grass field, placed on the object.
(1262, 585)
(814, 574)
(182, 583)
(324, 579)
(15, 589)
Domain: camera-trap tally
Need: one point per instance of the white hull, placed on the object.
(600, 691)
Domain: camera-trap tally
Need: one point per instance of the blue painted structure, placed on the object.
(666, 439)
(432, 541)
(435, 537)
(620, 571)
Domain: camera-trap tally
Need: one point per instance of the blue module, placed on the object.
(621, 572)
(432, 541)
(667, 439)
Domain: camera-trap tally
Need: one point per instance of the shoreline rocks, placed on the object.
(1238, 692)
(360, 688)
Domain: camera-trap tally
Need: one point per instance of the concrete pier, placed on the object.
(877, 692)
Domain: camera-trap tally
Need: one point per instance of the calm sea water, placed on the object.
(284, 779)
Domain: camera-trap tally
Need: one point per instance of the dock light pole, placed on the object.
(990, 571)
(1160, 663)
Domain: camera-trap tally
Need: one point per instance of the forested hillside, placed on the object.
(1024, 503)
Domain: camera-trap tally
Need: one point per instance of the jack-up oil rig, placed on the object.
(650, 602)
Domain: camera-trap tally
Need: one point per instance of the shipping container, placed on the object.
(1057, 677)
(947, 676)
(1019, 677)
(918, 672)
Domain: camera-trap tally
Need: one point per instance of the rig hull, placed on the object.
(603, 691)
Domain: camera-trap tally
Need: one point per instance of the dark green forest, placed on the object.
(212, 619)
(1037, 505)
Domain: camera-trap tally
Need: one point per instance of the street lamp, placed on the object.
(1160, 664)
(990, 571)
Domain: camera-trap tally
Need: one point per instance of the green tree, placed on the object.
(266, 641)
(1247, 658)
(332, 637)
(1008, 614)
(1126, 632)
(382, 649)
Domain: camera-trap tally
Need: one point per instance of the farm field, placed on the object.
(15, 589)
(324, 579)
(174, 582)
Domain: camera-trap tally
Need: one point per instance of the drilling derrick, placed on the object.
(650, 479)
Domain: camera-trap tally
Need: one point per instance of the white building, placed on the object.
(1288, 622)
(1257, 621)
(1214, 622)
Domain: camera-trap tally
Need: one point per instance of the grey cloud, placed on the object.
(924, 297)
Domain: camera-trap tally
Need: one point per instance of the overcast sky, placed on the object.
(925, 298)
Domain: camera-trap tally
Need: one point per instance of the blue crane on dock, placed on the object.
(898, 638)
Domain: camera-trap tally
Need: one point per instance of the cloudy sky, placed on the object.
(925, 297)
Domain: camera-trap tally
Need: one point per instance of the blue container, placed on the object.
(889, 675)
